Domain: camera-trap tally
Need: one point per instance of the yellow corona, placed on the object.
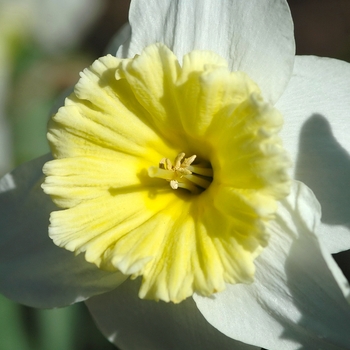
(166, 170)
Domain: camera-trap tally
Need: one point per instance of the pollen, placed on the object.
(183, 173)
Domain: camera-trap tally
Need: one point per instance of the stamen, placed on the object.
(194, 178)
(201, 170)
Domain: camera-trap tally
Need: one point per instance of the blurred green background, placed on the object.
(44, 44)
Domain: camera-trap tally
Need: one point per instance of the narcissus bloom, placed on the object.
(187, 225)
(168, 165)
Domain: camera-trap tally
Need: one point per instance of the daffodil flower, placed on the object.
(168, 166)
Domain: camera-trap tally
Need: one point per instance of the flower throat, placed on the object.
(183, 173)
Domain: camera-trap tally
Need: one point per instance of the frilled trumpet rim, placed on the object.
(166, 171)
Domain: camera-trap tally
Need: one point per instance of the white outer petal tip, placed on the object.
(253, 36)
(316, 109)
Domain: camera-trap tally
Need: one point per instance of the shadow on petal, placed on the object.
(324, 312)
(324, 166)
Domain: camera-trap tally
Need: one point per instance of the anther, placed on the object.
(182, 174)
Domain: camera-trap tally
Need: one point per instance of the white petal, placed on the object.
(121, 37)
(34, 271)
(316, 107)
(295, 301)
(133, 324)
(254, 36)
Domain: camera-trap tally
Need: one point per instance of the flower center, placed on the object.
(183, 173)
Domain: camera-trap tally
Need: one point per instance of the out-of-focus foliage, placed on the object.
(69, 328)
(44, 44)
